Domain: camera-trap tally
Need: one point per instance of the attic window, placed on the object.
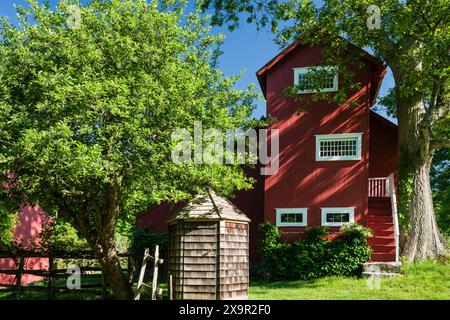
(316, 79)
(342, 146)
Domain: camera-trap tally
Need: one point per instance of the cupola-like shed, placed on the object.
(208, 250)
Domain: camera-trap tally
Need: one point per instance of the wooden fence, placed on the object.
(51, 274)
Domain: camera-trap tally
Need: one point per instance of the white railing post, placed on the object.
(393, 196)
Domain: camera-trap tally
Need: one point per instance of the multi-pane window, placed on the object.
(316, 79)
(291, 217)
(305, 81)
(338, 148)
(344, 146)
(337, 216)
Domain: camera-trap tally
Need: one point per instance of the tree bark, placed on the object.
(105, 250)
(105, 246)
(423, 238)
(101, 238)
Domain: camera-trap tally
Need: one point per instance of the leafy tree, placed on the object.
(7, 224)
(412, 38)
(89, 98)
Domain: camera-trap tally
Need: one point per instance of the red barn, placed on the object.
(27, 233)
(336, 162)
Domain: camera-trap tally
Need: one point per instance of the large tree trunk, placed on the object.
(101, 239)
(105, 250)
(423, 239)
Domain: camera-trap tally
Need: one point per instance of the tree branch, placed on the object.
(440, 105)
(8, 143)
(439, 144)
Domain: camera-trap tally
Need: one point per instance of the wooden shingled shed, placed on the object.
(208, 250)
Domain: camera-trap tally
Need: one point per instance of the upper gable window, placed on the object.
(316, 79)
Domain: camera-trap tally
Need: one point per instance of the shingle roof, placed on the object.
(209, 206)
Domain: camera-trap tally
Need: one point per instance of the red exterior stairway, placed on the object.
(380, 220)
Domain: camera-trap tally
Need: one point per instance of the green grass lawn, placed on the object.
(426, 280)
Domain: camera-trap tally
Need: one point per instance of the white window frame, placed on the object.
(304, 70)
(339, 136)
(325, 211)
(280, 211)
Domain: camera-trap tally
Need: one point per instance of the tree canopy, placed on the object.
(89, 99)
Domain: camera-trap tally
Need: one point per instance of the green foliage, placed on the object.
(7, 223)
(143, 238)
(58, 235)
(314, 256)
(355, 231)
(87, 113)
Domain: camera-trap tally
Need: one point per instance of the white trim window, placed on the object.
(342, 146)
(291, 217)
(336, 217)
(316, 79)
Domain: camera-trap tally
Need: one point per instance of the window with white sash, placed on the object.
(291, 217)
(316, 79)
(336, 217)
(334, 147)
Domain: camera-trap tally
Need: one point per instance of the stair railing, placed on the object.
(393, 196)
(379, 187)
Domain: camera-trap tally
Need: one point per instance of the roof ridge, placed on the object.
(208, 192)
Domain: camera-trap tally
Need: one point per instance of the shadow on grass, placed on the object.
(286, 284)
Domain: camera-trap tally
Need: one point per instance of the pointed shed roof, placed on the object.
(209, 206)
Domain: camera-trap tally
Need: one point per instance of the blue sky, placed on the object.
(245, 49)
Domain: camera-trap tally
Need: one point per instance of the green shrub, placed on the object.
(313, 256)
(7, 224)
(59, 235)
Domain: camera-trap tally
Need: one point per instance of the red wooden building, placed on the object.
(336, 162)
(27, 233)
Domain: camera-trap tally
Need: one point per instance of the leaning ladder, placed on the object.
(156, 261)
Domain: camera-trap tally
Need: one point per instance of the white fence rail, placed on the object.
(379, 187)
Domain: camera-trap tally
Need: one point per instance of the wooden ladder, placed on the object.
(156, 261)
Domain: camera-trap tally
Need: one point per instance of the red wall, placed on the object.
(29, 226)
(383, 147)
(251, 202)
(301, 181)
(155, 218)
